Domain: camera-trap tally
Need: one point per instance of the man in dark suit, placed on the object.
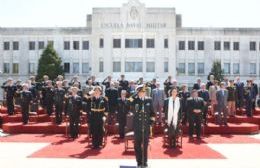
(112, 95)
(204, 94)
(75, 106)
(195, 108)
(26, 100)
(59, 95)
(167, 85)
(158, 98)
(250, 95)
(123, 108)
(222, 96)
(144, 116)
(184, 94)
(240, 93)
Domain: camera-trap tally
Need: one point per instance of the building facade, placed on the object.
(135, 41)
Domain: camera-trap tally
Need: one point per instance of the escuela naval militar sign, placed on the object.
(132, 25)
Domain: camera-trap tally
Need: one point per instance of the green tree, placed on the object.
(49, 64)
(217, 71)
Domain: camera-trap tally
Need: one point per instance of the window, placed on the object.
(150, 67)
(236, 68)
(101, 66)
(51, 43)
(236, 46)
(226, 45)
(166, 43)
(117, 66)
(101, 43)
(31, 68)
(191, 45)
(116, 43)
(201, 69)
(133, 43)
(217, 45)
(76, 45)
(66, 67)
(41, 45)
(31, 45)
(226, 68)
(191, 68)
(181, 69)
(6, 45)
(149, 43)
(66, 45)
(6, 68)
(85, 67)
(85, 45)
(134, 67)
(15, 45)
(252, 68)
(200, 45)
(252, 45)
(75, 68)
(166, 66)
(15, 68)
(181, 45)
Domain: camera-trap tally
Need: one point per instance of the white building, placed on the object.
(135, 41)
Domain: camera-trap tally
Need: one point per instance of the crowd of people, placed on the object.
(111, 101)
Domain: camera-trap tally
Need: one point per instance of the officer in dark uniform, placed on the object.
(10, 90)
(49, 97)
(123, 83)
(59, 94)
(144, 116)
(195, 106)
(26, 100)
(107, 81)
(74, 109)
(123, 108)
(98, 115)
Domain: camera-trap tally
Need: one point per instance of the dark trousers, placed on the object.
(97, 130)
(141, 146)
(10, 106)
(74, 126)
(249, 106)
(122, 124)
(58, 112)
(49, 107)
(25, 113)
(194, 121)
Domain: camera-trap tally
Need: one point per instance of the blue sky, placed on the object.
(196, 13)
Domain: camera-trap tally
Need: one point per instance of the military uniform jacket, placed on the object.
(98, 107)
(143, 115)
